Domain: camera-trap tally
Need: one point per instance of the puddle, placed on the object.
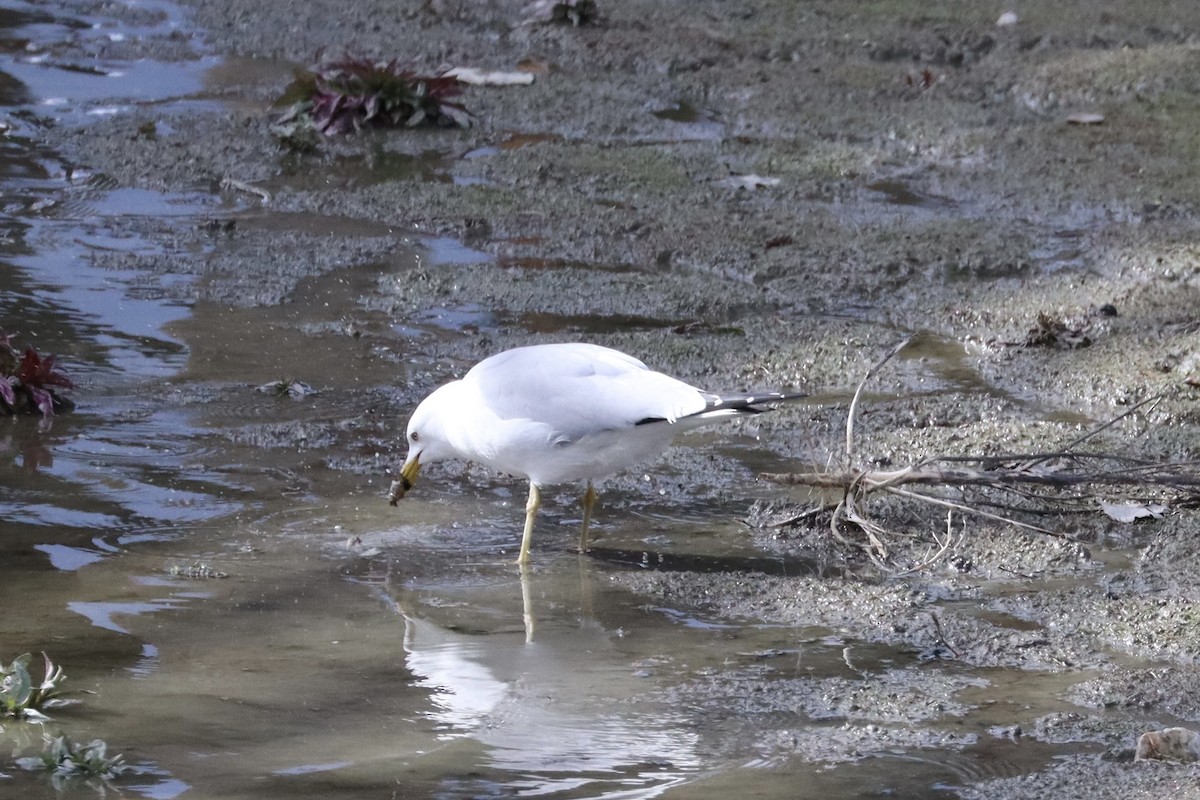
(950, 368)
(101, 614)
(442, 250)
(473, 318)
(74, 91)
(1066, 249)
(694, 124)
(357, 171)
(534, 263)
(467, 318)
(66, 558)
(680, 112)
(547, 322)
(947, 362)
(901, 193)
(711, 560)
(513, 141)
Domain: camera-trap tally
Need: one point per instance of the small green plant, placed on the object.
(65, 760)
(27, 381)
(346, 95)
(196, 571)
(21, 697)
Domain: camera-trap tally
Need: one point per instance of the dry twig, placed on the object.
(1056, 478)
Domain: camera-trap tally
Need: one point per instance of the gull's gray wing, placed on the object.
(580, 389)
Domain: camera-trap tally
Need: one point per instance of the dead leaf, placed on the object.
(479, 77)
(1130, 511)
(1051, 331)
(533, 65)
(537, 66)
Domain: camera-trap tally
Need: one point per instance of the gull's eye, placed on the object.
(414, 436)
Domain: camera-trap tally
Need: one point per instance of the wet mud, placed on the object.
(760, 196)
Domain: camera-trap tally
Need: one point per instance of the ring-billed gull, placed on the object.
(555, 413)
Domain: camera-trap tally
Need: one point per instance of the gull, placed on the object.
(558, 413)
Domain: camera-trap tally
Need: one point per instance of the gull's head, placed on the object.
(426, 436)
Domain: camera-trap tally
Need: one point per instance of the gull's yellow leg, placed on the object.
(589, 500)
(531, 509)
(527, 603)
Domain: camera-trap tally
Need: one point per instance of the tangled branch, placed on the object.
(1053, 479)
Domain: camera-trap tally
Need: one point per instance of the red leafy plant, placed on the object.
(27, 381)
(349, 94)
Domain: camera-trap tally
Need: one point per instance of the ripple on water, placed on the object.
(75, 91)
(111, 482)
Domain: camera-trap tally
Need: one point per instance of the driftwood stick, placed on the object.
(1020, 474)
(858, 393)
(1023, 459)
(944, 548)
(1168, 476)
(1151, 401)
(940, 501)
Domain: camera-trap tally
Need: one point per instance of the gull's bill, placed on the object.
(408, 476)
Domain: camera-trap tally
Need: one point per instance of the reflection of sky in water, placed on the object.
(67, 558)
(66, 287)
(118, 481)
(452, 251)
(307, 769)
(58, 278)
(72, 91)
(535, 708)
(101, 614)
(71, 283)
(72, 94)
(59, 232)
(163, 790)
(53, 516)
(148, 663)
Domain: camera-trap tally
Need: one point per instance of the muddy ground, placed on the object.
(929, 181)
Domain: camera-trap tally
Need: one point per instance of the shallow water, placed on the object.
(251, 623)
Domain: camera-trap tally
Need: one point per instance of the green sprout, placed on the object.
(349, 94)
(196, 571)
(66, 760)
(21, 697)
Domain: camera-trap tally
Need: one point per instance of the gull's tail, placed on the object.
(724, 405)
(718, 406)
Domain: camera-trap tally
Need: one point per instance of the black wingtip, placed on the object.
(749, 403)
